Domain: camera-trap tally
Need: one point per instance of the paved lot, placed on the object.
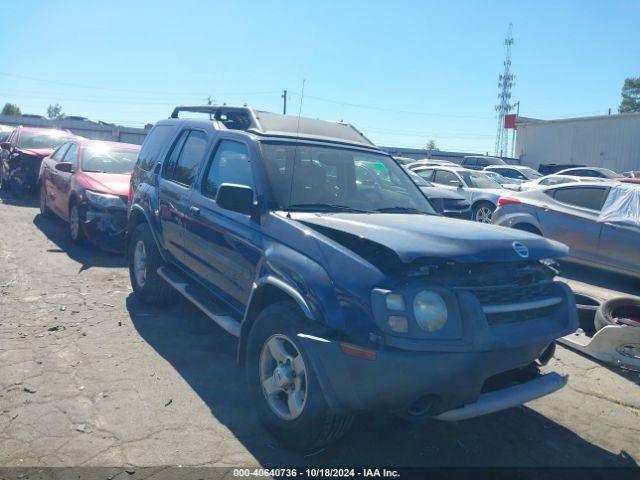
(89, 376)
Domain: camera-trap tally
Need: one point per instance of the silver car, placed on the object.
(481, 192)
(599, 221)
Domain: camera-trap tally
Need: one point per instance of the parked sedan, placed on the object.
(86, 183)
(599, 221)
(594, 172)
(481, 192)
(443, 200)
(550, 180)
(21, 155)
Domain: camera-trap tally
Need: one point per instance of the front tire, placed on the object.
(44, 209)
(76, 227)
(283, 384)
(144, 261)
(483, 212)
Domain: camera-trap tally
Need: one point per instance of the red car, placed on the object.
(86, 183)
(22, 153)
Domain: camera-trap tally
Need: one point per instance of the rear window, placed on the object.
(591, 198)
(152, 146)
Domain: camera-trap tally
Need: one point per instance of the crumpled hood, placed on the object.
(36, 152)
(425, 236)
(114, 183)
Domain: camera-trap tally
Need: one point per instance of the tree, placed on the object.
(54, 112)
(11, 109)
(431, 145)
(630, 96)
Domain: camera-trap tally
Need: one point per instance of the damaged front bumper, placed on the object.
(106, 227)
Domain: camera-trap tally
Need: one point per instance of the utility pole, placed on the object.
(505, 82)
(284, 104)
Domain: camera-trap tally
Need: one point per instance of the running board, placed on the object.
(201, 300)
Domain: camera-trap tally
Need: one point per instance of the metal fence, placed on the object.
(83, 128)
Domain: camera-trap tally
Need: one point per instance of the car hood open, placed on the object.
(425, 236)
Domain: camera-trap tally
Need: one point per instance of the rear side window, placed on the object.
(584, 197)
(444, 177)
(469, 161)
(230, 164)
(152, 147)
(426, 174)
(189, 159)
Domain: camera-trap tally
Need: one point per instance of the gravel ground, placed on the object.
(91, 377)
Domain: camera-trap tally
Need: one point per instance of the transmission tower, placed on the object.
(504, 106)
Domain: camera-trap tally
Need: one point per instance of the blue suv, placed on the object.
(345, 295)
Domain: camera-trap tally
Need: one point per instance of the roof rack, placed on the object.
(277, 125)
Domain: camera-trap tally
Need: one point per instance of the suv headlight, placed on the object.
(104, 200)
(429, 310)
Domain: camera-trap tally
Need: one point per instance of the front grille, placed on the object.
(520, 316)
(497, 295)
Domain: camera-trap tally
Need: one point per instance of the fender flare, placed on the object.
(287, 290)
(141, 211)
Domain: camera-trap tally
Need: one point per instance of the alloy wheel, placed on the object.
(283, 377)
(483, 215)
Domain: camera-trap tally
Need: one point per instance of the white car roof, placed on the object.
(515, 167)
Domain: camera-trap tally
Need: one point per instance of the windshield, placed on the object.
(530, 173)
(478, 180)
(310, 178)
(47, 140)
(4, 134)
(98, 159)
(499, 178)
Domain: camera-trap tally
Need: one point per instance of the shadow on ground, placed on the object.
(601, 278)
(88, 255)
(205, 356)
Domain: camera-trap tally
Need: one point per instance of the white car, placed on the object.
(481, 192)
(550, 180)
(429, 162)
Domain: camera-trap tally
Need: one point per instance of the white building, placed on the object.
(611, 141)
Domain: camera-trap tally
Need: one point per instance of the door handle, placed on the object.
(194, 211)
(545, 207)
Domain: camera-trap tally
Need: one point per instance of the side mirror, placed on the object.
(236, 198)
(65, 167)
(5, 145)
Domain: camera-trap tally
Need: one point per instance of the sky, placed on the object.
(403, 72)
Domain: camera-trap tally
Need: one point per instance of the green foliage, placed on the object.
(630, 96)
(54, 112)
(11, 109)
(431, 145)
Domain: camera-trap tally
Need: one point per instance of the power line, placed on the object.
(391, 110)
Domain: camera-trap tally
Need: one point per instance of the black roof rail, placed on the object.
(234, 118)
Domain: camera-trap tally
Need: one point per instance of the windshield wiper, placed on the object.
(325, 207)
(399, 210)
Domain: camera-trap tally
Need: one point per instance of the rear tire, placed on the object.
(76, 227)
(144, 261)
(483, 212)
(310, 423)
